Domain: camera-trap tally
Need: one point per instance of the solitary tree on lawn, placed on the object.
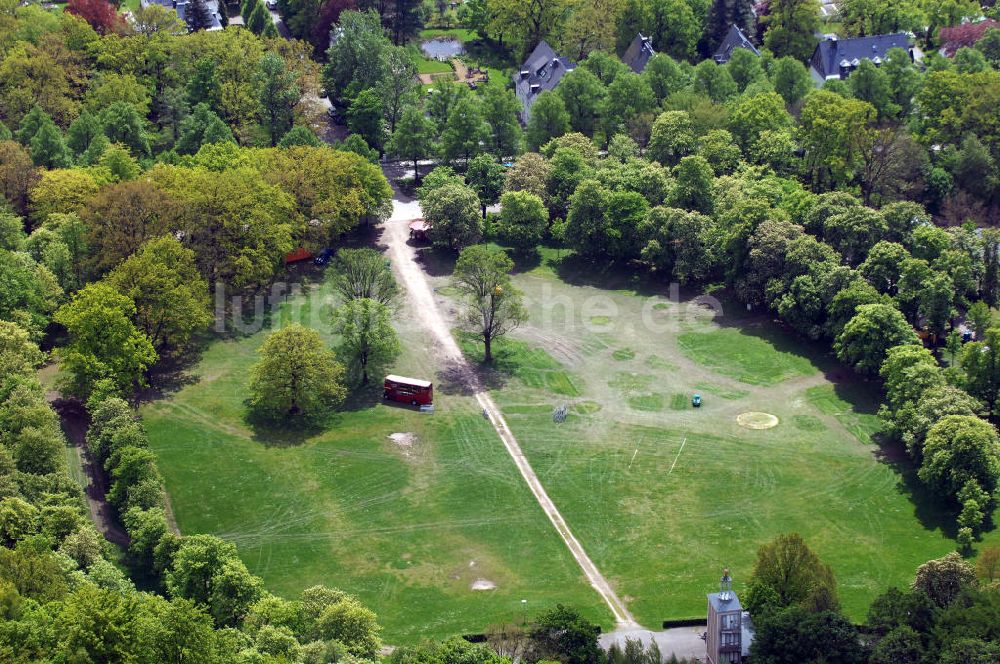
(493, 307)
(297, 375)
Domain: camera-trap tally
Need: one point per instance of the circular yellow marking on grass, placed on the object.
(755, 420)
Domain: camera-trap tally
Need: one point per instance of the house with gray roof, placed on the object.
(836, 58)
(541, 72)
(735, 39)
(638, 53)
(180, 6)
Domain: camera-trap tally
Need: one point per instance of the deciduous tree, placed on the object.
(523, 219)
(493, 305)
(297, 376)
(104, 342)
(364, 274)
(279, 95)
(486, 177)
(793, 575)
(873, 330)
(791, 28)
(170, 296)
(549, 119)
(413, 139)
(453, 213)
(368, 340)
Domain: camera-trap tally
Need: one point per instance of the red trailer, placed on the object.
(413, 391)
(300, 254)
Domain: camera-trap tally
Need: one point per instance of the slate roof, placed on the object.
(837, 58)
(734, 39)
(541, 72)
(181, 5)
(732, 604)
(638, 53)
(964, 35)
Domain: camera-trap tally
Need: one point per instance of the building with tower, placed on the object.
(730, 630)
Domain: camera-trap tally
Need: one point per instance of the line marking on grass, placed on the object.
(422, 299)
(683, 442)
(633, 458)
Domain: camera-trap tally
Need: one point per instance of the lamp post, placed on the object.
(524, 612)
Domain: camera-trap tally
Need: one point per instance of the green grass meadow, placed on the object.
(406, 528)
(661, 495)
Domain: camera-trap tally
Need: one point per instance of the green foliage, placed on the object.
(873, 330)
(672, 138)
(278, 95)
(123, 124)
(959, 450)
(789, 574)
(465, 130)
(368, 340)
(453, 213)
(493, 306)
(104, 342)
(791, 28)
(523, 220)
(797, 635)
(364, 118)
(296, 376)
(364, 274)
(563, 634)
(413, 138)
(485, 175)
(549, 119)
(170, 296)
(790, 78)
(942, 580)
(694, 185)
(300, 135)
(48, 149)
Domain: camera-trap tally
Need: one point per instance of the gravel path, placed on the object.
(420, 295)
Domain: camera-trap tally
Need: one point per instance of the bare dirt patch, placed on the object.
(483, 584)
(757, 420)
(405, 441)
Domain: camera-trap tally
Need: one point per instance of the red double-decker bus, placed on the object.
(413, 391)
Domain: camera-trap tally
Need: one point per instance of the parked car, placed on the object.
(323, 257)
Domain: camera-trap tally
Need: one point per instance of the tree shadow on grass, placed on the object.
(363, 397)
(173, 372)
(931, 511)
(466, 378)
(524, 261)
(579, 271)
(288, 432)
(435, 261)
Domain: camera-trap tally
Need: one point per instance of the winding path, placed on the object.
(421, 298)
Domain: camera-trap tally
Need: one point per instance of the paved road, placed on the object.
(421, 297)
(684, 642)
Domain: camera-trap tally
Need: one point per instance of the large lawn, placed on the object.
(408, 528)
(663, 495)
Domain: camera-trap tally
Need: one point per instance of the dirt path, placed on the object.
(421, 298)
(74, 423)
